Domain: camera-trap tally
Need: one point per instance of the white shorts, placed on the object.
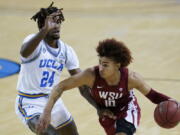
(27, 107)
(133, 116)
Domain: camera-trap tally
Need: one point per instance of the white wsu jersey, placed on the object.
(42, 69)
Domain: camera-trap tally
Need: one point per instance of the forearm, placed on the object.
(85, 92)
(32, 44)
(156, 97)
(56, 93)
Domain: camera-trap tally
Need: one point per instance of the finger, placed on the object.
(46, 125)
(107, 114)
(59, 11)
(171, 99)
(38, 128)
(41, 126)
(57, 18)
(55, 14)
(104, 113)
(114, 117)
(110, 114)
(49, 18)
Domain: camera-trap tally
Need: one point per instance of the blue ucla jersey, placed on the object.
(42, 69)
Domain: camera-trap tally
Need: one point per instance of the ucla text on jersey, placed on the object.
(50, 63)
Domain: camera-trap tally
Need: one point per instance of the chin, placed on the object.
(55, 37)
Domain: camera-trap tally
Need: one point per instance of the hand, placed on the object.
(171, 99)
(106, 112)
(52, 20)
(43, 122)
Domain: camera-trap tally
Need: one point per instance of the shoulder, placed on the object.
(85, 76)
(134, 79)
(62, 43)
(89, 71)
(89, 74)
(65, 45)
(69, 50)
(133, 75)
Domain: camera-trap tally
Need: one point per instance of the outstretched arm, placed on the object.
(136, 81)
(28, 47)
(85, 90)
(82, 78)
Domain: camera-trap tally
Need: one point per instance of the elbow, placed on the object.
(60, 88)
(56, 92)
(23, 53)
(84, 91)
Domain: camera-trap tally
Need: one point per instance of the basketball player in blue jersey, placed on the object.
(43, 57)
(112, 87)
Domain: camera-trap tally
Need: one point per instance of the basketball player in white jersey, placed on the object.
(43, 57)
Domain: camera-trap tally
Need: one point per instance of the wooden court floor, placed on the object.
(150, 28)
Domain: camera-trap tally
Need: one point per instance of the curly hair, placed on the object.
(115, 50)
(41, 15)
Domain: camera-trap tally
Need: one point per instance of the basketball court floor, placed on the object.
(150, 28)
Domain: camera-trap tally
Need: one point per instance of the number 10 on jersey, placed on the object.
(47, 79)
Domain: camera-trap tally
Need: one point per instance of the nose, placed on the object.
(57, 25)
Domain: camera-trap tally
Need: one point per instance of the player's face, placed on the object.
(54, 34)
(107, 67)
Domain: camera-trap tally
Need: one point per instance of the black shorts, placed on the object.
(123, 126)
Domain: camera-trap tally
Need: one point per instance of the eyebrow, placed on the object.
(104, 62)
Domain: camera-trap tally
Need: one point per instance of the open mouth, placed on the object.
(57, 31)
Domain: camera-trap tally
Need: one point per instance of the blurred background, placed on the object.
(150, 28)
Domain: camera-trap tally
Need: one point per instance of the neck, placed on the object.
(114, 79)
(52, 43)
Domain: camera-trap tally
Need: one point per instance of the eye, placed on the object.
(105, 65)
(58, 21)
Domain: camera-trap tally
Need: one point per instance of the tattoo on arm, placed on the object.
(85, 92)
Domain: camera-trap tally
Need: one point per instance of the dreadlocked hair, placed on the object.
(41, 15)
(115, 50)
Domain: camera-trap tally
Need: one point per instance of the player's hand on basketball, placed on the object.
(43, 123)
(106, 112)
(171, 99)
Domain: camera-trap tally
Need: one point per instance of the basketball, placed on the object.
(167, 114)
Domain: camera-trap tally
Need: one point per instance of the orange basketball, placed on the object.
(167, 114)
